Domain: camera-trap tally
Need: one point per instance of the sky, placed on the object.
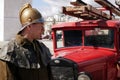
(51, 7)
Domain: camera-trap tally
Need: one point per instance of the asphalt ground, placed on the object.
(49, 44)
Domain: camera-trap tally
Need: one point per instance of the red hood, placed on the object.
(79, 55)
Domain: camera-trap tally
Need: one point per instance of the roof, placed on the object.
(88, 24)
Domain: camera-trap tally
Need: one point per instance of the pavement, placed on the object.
(49, 44)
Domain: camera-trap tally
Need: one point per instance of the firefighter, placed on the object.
(26, 58)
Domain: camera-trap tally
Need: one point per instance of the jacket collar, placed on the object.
(22, 41)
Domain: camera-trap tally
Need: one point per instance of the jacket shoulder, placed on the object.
(6, 50)
(5, 73)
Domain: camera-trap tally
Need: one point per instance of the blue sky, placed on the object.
(40, 5)
(51, 7)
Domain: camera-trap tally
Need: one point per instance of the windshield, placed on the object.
(95, 37)
(73, 38)
(68, 38)
(99, 38)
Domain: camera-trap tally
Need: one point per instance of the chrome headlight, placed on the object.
(83, 76)
(117, 2)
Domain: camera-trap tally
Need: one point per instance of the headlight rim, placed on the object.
(86, 74)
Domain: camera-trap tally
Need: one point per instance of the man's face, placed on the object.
(36, 30)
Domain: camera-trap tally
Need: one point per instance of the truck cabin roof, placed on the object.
(88, 24)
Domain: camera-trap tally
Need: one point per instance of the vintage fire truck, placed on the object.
(87, 49)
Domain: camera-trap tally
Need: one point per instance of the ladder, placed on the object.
(85, 11)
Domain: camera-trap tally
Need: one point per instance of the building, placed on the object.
(9, 18)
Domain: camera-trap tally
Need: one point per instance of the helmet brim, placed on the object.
(40, 20)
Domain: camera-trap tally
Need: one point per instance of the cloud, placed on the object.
(58, 2)
(67, 2)
(92, 2)
(55, 6)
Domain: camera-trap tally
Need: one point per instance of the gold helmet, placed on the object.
(29, 15)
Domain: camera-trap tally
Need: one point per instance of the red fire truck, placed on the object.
(88, 49)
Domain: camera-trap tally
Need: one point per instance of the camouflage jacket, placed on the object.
(25, 54)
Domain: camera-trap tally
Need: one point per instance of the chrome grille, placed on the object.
(62, 73)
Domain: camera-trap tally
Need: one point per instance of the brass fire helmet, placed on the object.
(29, 15)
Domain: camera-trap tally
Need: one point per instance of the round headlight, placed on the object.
(84, 76)
(117, 2)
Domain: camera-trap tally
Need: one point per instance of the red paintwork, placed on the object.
(87, 23)
(84, 54)
(92, 59)
(99, 62)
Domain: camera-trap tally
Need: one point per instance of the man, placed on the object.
(24, 58)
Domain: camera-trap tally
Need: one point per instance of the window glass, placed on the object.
(59, 38)
(99, 38)
(73, 38)
(95, 37)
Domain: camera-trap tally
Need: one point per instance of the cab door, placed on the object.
(118, 56)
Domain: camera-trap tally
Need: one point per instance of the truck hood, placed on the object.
(84, 54)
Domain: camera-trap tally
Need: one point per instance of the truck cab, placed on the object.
(86, 50)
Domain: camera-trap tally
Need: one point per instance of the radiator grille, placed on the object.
(62, 73)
